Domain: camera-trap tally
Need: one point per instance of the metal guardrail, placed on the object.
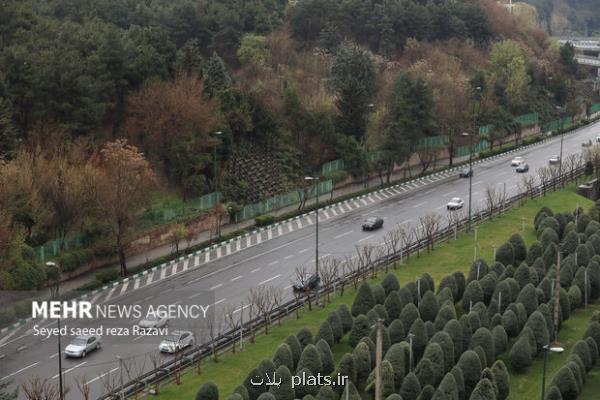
(226, 340)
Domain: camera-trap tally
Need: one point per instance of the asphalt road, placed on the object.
(226, 282)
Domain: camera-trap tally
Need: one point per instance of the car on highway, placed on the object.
(522, 168)
(597, 139)
(153, 321)
(176, 341)
(554, 159)
(306, 283)
(587, 144)
(456, 203)
(517, 161)
(82, 345)
(465, 173)
(372, 223)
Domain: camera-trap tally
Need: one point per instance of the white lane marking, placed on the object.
(124, 288)
(274, 262)
(228, 248)
(206, 259)
(334, 212)
(137, 338)
(103, 375)
(19, 371)
(136, 284)
(70, 369)
(259, 238)
(270, 233)
(237, 277)
(326, 214)
(269, 280)
(216, 286)
(218, 252)
(309, 219)
(218, 302)
(302, 251)
(362, 200)
(366, 238)
(477, 183)
(163, 272)
(287, 287)
(238, 245)
(299, 223)
(241, 308)
(110, 293)
(356, 205)
(195, 295)
(248, 241)
(420, 204)
(279, 230)
(440, 207)
(378, 197)
(405, 221)
(288, 257)
(150, 277)
(186, 264)
(148, 298)
(341, 235)
(53, 356)
(449, 193)
(255, 270)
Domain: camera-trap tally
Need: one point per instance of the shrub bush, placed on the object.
(326, 333)
(520, 250)
(444, 340)
(483, 337)
(390, 283)
(364, 300)
(362, 363)
(426, 372)
(393, 305)
(378, 294)
(345, 317)
(360, 329)
(461, 283)
(346, 367)
(420, 339)
(528, 297)
(537, 324)
(479, 269)
(501, 379)
(548, 237)
(582, 349)
(310, 359)
(396, 331)
(264, 220)
(520, 354)
(295, 347)
(449, 281)
(305, 337)
(326, 356)
(398, 358)
(506, 254)
(435, 354)
(446, 313)
(428, 307)
(410, 388)
(535, 251)
(208, 391)
(454, 329)
(564, 380)
(500, 339)
(460, 381)
(283, 391)
(484, 391)
(473, 294)
(408, 315)
(336, 326)
(283, 356)
(470, 366)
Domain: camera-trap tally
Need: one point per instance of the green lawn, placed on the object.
(448, 257)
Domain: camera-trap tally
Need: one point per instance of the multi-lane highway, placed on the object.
(225, 277)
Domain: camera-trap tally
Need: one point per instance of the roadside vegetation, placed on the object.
(447, 258)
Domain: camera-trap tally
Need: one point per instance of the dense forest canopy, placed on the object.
(569, 17)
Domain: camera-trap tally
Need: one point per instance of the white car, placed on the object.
(456, 203)
(176, 341)
(153, 321)
(597, 139)
(517, 161)
(554, 159)
(82, 345)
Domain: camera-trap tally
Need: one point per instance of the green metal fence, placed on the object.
(558, 124)
(432, 142)
(462, 151)
(283, 200)
(52, 248)
(332, 166)
(594, 108)
(528, 119)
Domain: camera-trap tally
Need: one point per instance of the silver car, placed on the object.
(153, 321)
(82, 345)
(176, 341)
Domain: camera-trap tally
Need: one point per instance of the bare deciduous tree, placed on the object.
(213, 325)
(36, 388)
(406, 237)
(83, 386)
(430, 224)
(454, 217)
(350, 265)
(302, 278)
(392, 242)
(365, 259)
(529, 185)
(155, 360)
(276, 294)
(232, 321)
(329, 272)
(491, 198)
(545, 175)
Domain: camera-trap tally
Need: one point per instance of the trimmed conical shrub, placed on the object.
(473, 294)
(393, 305)
(582, 349)
(564, 380)
(325, 333)
(345, 317)
(500, 339)
(433, 353)
(506, 254)
(295, 347)
(447, 389)
(471, 367)
(347, 368)
(390, 283)
(483, 391)
(360, 329)
(305, 337)
(326, 356)
(520, 354)
(408, 315)
(378, 293)
(501, 379)
(454, 329)
(420, 337)
(537, 324)
(350, 392)
(397, 357)
(283, 356)
(310, 359)
(208, 391)
(336, 326)
(483, 337)
(396, 331)
(428, 307)
(364, 300)
(326, 393)
(411, 387)
(446, 313)
(283, 391)
(445, 341)
(362, 362)
(518, 244)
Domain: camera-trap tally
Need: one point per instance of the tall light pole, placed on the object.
(554, 348)
(316, 179)
(470, 135)
(370, 107)
(216, 180)
(410, 352)
(121, 392)
(562, 135)
(53, 265)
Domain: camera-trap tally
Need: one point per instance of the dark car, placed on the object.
(522, 168)
(372, 223)
(306, 283)
(465, 173)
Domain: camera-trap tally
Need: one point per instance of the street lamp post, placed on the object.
(51, 264)
(562, 135)
(410, 352)
(216, 180)
(316, 179)
(370, 106)
(470, 135)
(554, 348)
